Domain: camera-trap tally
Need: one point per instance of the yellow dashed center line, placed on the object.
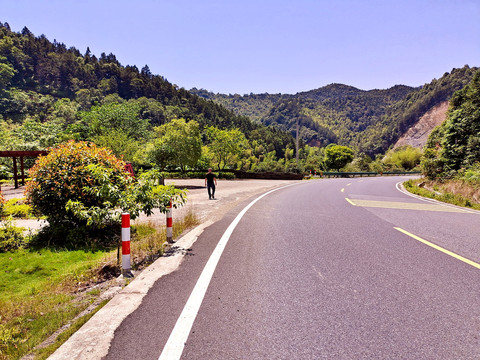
(342, 190)
(405, 206)
(445, 251)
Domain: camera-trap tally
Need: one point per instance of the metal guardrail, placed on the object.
(366, 173)
(292, 176)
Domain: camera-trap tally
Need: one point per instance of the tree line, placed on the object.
(50, 92)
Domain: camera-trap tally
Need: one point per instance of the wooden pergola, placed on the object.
(20, 154)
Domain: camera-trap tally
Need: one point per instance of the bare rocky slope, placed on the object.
(417, 135)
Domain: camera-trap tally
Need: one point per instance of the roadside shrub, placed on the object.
(472, 174)
(83, 189)
(432, 164)
(17, 208)
(78, 172)
(11, 237)
(405, 157)
(5, 173)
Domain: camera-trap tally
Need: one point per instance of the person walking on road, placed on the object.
(210, 183)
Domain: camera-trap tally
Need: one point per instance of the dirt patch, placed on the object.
(417, 135)
(9, 192)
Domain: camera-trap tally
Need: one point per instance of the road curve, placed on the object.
(329, 269)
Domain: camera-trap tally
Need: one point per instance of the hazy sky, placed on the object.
(273, 46)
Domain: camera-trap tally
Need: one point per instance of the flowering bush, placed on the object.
(86, 186)
(76, 172)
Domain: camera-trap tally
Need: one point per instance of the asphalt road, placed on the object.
(329, 269)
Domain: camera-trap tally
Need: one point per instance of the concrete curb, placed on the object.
(93, 339)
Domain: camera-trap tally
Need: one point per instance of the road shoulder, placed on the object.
(93, 339)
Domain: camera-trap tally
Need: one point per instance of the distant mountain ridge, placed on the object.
(369, 121)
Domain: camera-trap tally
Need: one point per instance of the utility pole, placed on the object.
(296, 141)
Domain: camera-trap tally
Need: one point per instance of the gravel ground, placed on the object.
(228, 194)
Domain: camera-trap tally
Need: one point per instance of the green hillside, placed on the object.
(368, 121)
(454, 146)
(50, 87)
(50, 93)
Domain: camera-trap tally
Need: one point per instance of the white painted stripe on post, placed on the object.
(126, 262)
(176, 342)
(125, 234)
(125, 243)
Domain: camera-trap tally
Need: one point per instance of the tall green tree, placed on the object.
(121, 145)
(123, 117)
(314, 158)
(178, 143)
(225, 146)
(337, 156)
(6, 73)
(461, 142)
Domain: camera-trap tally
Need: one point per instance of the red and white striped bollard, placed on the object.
(169, 223)
(126, 245)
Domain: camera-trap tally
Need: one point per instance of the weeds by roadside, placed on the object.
(41, 290)
(18, 208)
(45, 352)
(11, 237)
(456, 192)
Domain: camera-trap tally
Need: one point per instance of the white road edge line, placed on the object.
(176, 342)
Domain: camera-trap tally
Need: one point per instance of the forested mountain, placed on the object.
(50, 92)
(46, 82)
(368, 121)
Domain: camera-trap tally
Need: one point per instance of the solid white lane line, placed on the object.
(176, 342)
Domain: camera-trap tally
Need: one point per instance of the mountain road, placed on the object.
(327, 269)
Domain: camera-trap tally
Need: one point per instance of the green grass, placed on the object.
(24, 271)
(38, 288)
(447, 197)
(36, 296)
(44, 353)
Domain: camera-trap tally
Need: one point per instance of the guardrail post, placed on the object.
(126, 245)
(169, 223)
